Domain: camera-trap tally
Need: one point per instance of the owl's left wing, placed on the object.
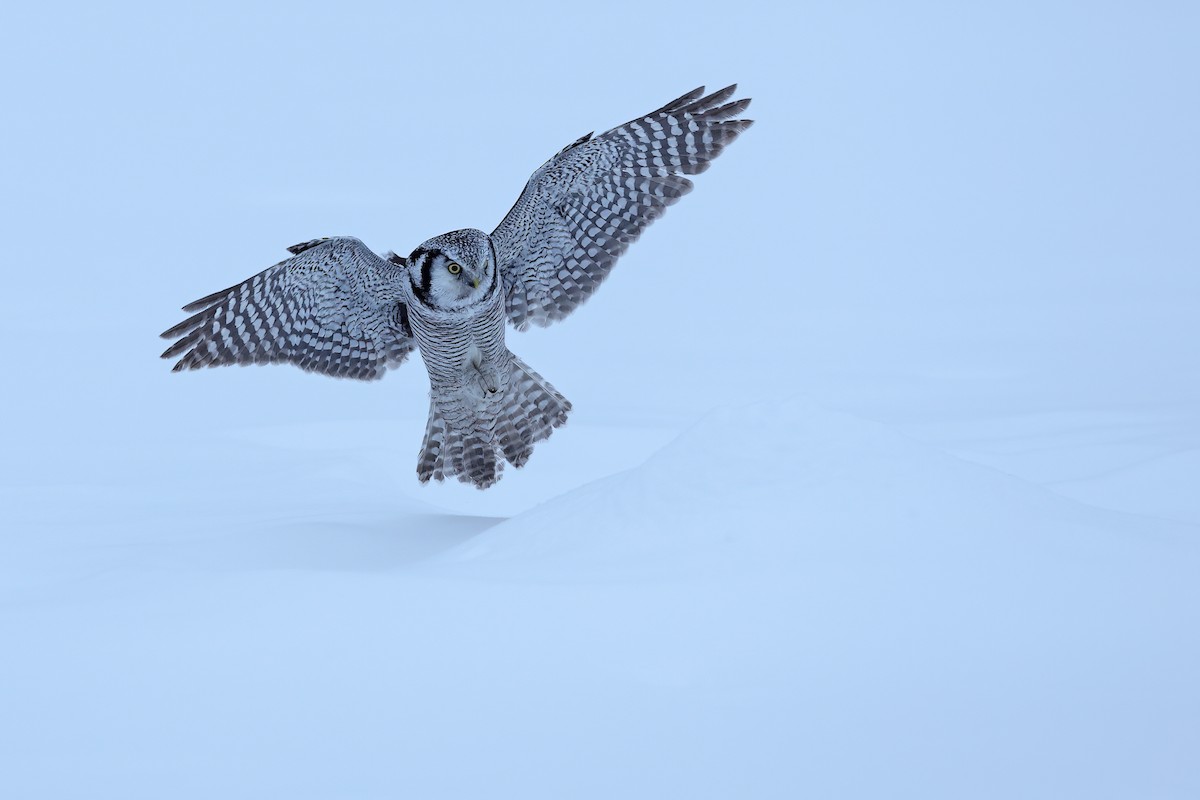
(334, 307)
(583, 208)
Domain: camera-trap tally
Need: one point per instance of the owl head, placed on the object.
(453, 270)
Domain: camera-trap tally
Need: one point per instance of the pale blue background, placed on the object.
(977, 223)
(924, 181)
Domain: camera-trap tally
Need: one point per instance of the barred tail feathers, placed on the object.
(432, 461)
(532, 410)
(503, 430)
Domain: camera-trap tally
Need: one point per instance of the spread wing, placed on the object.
(584, 207)
(334, 307)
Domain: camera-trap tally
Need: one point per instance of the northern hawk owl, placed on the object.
(337, 308)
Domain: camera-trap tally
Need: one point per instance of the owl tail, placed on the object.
(504, 429)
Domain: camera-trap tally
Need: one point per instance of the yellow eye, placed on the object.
(454, 268)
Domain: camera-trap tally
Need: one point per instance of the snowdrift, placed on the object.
(878, 617)
(783, 602)
(777, 485)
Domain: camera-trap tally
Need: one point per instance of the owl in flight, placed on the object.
(337, 308)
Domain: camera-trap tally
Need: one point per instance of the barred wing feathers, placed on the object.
(334, 307)
(583, 208)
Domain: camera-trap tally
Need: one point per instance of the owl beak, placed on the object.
(475, 283)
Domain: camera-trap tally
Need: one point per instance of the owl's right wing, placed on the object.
(334, 307)
(583, 208)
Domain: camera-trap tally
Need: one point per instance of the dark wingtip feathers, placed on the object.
(708, 102)
(712, 106)
(208, 301)
(729, 110)
(682, 100)
(177, 348)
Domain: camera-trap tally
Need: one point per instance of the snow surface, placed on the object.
(832, 609)
(895, 496)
